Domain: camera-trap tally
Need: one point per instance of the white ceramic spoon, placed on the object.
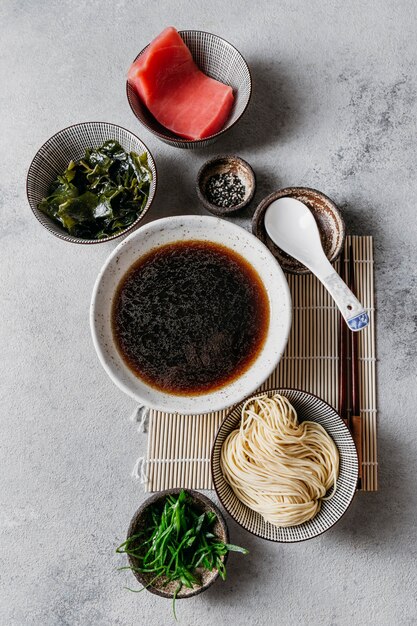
(291, 225)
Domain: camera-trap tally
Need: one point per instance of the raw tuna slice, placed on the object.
(176, 92)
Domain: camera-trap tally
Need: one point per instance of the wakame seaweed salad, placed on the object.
(100, 195)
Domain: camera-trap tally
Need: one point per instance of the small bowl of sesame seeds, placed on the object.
(225, 184)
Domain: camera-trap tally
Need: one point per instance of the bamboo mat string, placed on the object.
(141, 416)
(139, 470)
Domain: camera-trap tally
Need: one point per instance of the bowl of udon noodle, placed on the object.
(284, 465)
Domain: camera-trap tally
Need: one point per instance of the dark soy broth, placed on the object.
(190, 317)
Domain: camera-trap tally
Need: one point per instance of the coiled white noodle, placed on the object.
(277, 466)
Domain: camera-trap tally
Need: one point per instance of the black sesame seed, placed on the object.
(225, 190)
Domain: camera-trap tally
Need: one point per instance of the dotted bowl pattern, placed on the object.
(70, 144)
(217, 58)
(308, 407)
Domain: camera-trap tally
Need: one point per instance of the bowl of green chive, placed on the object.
(177, 544)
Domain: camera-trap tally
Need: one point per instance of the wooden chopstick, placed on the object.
(355, 414)
(349, 372)
(343, 356)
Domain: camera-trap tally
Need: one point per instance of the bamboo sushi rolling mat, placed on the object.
(179, 446)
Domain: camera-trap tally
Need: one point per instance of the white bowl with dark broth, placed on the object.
(190, 314)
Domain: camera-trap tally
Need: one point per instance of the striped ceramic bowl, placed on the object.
(70, 144)
(217, 58)
(308, 407)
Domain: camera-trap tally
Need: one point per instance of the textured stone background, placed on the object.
(334, 107)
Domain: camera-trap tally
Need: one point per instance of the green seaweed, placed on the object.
(100, 195)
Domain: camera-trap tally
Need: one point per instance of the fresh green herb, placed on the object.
(175, 543)
(100, 195)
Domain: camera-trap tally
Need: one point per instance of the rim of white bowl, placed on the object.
(217, 400)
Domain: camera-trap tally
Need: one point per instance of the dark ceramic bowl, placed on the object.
(201, 504)
(329, 221)
(308, 407)
(217, 58)
(226, 164)
(70, 144)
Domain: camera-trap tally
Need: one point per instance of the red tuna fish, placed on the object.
(179, 95)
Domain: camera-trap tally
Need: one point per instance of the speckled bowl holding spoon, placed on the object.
(329, 222)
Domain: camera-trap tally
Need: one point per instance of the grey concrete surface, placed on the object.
(334, 107)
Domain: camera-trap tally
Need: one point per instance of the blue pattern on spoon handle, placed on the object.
(352, 310)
